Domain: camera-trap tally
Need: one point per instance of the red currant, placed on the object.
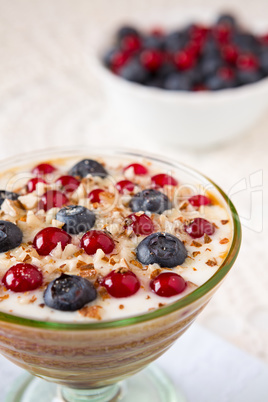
(199, 87)
(124, 186)
(51, 199)
(247, 62)
(230, 53)
(119, 59)
(68, 183)
(198, 32)
(43, 168)
(198, 227)
(162, 179)
(157, 31)
(23, 278)
(94, 195)
(121, 284)
(95, 239)
(141, 224)
(32, 183)
(47, 239)
(226, 73)
(131, 43)
(222, 33)
(264, 39)
(151, 59)
(198, 200)
(184, 59)
(168, 284)
(139, 169)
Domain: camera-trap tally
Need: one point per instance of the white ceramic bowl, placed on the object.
(192, 119)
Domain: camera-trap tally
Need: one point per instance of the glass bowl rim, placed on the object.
(185, 301)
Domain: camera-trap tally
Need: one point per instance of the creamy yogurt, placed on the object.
(205, 254)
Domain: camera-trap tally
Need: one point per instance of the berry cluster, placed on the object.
(71, 292)
(194, 58)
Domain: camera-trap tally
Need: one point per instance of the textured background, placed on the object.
(49, 97)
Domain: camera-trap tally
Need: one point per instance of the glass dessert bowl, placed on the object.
(94, 359)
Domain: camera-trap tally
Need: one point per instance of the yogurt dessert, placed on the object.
(100, 238)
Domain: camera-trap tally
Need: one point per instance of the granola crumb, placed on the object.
(33, 299)
(155, 273)
(4, 297)
(211, 263)
(196, 244)
(195, 253)
(224, 241)
(136, 263)
(104, 294)
(207, 239)
(91, 312)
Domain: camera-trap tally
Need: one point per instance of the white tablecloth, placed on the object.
(48, 97)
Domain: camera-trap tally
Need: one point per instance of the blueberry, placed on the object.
(108, 56)
(77, 219)
(227, 19)
(178, 82)
(163, 249)
(246, 42)
(209, 65)
(126, 31)
(249, 77)
(69, 293)
(155, 82)
(88, 166)
(7, 195)
(150, 201)
(166, 69)
(224, 78)
(10, 236)
(264, 61)
(211, 48)
(134, 71)
(176, 41)
(153, 42)
(217, 82)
